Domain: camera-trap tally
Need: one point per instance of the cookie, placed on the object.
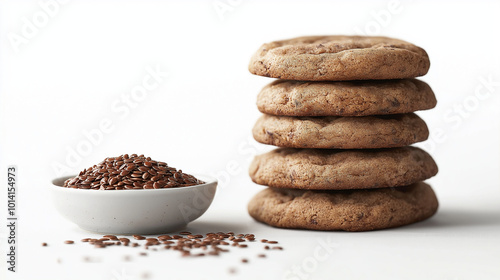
(367, 132)
(358, 98)
(342, 169)
(339, 58)
(359, 210)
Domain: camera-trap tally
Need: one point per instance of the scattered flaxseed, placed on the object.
(187, 244)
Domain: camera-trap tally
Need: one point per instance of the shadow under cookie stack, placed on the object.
(341, 113)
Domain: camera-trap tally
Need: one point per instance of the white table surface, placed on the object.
(64, 81)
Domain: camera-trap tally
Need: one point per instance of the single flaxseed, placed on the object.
(164, 237)
(69, 242)
(138, 237)
(239, 240)
(110, 237)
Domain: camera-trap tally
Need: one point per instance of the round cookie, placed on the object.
(360, 210)
(357, 98)
(342, 169)
(339, 58)
(367, 132)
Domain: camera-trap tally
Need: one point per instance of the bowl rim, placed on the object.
(209, 180)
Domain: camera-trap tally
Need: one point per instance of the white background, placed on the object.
(62, 78)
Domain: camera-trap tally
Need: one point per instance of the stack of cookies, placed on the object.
(342, 116)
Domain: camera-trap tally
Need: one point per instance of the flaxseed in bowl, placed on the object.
(132, 195)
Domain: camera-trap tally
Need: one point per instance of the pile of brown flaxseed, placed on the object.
(131, 172)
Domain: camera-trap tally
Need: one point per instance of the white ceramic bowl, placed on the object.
(151, 211)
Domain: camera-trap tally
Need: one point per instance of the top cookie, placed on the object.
(339, 58)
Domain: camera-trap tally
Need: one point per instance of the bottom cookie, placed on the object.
(349, 210)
